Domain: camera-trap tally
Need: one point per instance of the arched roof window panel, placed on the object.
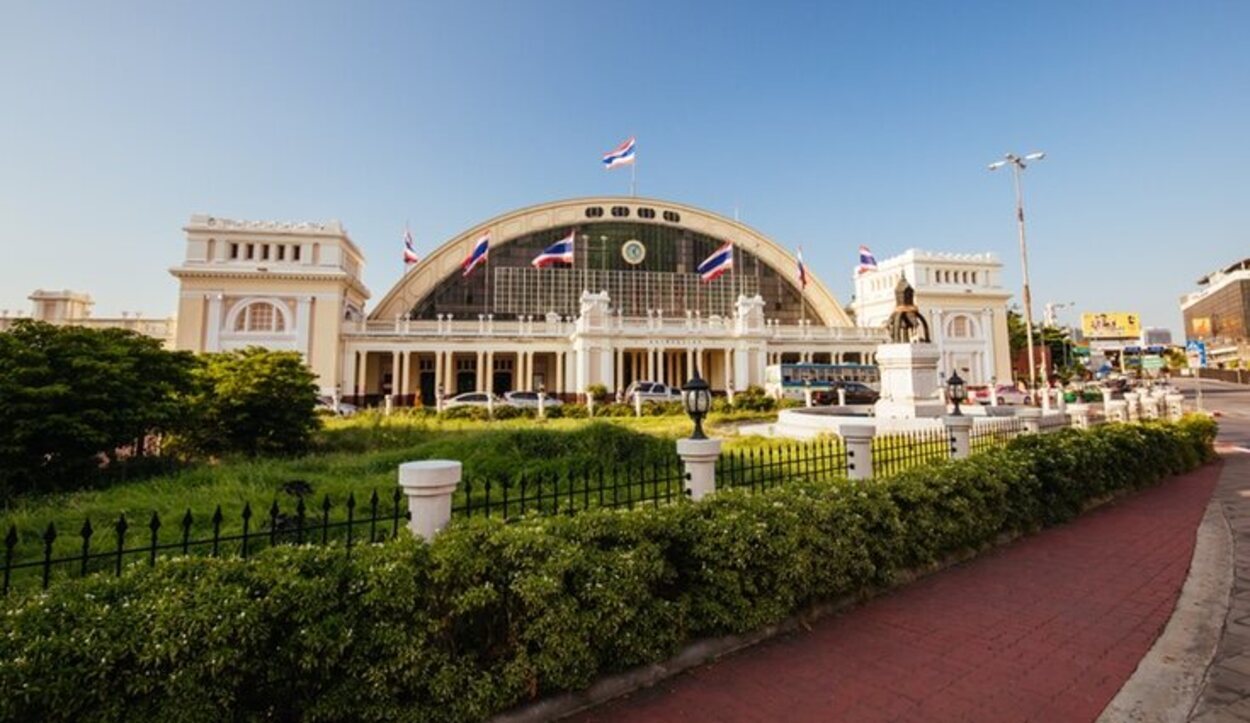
(260, 317)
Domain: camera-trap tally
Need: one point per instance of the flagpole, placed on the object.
(633, 177)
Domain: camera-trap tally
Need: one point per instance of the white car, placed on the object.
(529, 400)
(1006, 394)
(652, 392)
(473, 399)
(342, 409)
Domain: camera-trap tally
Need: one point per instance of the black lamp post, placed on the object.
(697, 398)
(957, 392)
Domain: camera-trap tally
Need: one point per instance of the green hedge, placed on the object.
(491, 615)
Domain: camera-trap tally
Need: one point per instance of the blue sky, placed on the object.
(827, 124)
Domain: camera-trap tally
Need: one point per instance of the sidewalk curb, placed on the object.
(1168, 680)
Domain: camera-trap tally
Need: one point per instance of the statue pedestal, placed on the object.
(909, 388)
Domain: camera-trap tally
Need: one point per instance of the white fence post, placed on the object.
(960, 430)
(1032, 419)
(1134, 411)
(1176, 408)
(858, 441)
(429, 485)
(699, 457)
(1080, 415)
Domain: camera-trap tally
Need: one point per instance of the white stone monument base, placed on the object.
(909, 386)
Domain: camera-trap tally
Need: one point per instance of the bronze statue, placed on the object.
(906, 324)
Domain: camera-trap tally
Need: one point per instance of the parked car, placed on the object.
(472, 399)
(1005, 393)
(855, 392)
(529, 400)
(651, 392)
(342, 409)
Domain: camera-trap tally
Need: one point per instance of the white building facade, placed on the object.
(963, 299)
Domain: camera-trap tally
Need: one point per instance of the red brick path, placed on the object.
(1045, 629)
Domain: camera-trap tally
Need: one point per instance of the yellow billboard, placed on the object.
(1111, 325)
(1201, 327)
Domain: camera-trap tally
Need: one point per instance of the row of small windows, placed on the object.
(265, 252)
(945, 276)
(623, 212)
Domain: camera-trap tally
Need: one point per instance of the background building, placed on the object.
(73, 307)
(963, 299)
(1219, 314)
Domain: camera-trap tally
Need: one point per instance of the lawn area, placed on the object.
(359, 456)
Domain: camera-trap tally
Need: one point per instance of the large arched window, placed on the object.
(260, 317)
(960, 327)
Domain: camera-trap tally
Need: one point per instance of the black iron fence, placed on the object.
(644, 483)
(40, 559)
(764, 467)
(894, 453)
(994, 432)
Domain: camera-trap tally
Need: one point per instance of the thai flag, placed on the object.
(560, 252)
(410, 251)
(478, 254)
(802, 270)
(622, 155)
(867, 262)
(721, 260)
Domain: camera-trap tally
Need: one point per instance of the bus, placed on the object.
(790, 379)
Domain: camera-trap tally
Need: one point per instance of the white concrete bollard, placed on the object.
(807, 396)
(699, 457)
(1131, 406)
(1045, 395)
(858, 441)
(841, 396)
(1061, 400)
(429, 485)
(637, 404)
(1176, 408)
(590, 404)
(1079, 413)
(960, 431)
(542, 405)
(729, 392)
(388, 405)
(1031, 417)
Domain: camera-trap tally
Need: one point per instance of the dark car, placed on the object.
(856, 393)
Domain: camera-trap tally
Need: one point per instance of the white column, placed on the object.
(429, 485)
(362, 373)
(618, 374)
(394, 374)
(560, 362)
(212, 337)
(699, 457)
(405, 371)
(439, 368)
(349, 372)
(478, 369)
(303, 324)
(490, 372)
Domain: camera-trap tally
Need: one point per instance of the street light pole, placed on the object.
(1017, 166)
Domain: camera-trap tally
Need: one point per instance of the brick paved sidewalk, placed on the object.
(1045, 629)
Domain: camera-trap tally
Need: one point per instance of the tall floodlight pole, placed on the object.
(1018, 165)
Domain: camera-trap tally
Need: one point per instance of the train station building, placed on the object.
(631, 306)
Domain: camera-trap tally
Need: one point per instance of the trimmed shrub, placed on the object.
(494, 614)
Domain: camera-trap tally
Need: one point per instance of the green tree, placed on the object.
(254, 401)
(74, 401)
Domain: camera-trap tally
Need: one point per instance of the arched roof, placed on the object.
(445, 261)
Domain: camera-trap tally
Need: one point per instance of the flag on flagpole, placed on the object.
(478, 255)
(410, 251)
(622, 155)
(867, 262)
(802, 270)
(560, 252)
(721, 261)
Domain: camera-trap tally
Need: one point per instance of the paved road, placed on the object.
(1045, 629)
(1225, 695)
